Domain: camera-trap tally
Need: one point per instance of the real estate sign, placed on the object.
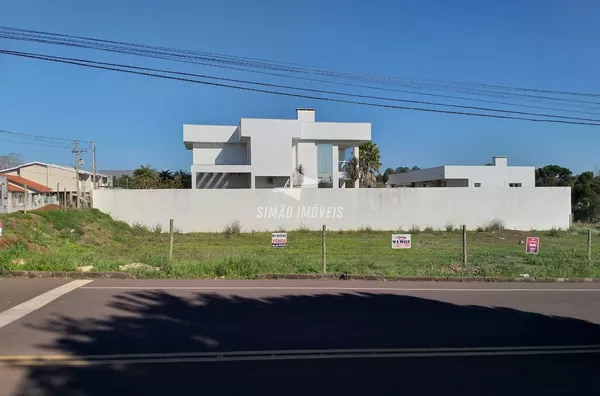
(401, 241)
(279, 239)
(532, 245)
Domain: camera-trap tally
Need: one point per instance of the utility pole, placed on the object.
(94, 163)
(76, 151)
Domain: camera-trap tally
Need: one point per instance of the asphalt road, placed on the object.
(123, 337)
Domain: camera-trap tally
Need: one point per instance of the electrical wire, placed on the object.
(96, 66)
(290, 65)
(49, 57)
(183, 55)
(34, 144)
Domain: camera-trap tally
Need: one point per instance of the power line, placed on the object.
(34, 144)
(291, 66)
(96, 66)
(37, 137)
(186, 55)
(57, 58)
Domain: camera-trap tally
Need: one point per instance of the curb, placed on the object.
(67, 274)
(125, 275)
(425, 278)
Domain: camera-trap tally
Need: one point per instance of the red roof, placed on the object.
(21, 181)
(12, 188)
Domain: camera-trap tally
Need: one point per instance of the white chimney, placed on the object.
(305, 115)
(500, 160)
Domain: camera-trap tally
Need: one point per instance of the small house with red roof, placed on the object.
(18, 193)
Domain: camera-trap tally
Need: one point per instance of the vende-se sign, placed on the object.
(532, 245)
(400, 241)
(279, 239)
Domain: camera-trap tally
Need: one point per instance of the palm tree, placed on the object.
(145, 177)
(369, 163)
(351, 167)
(185, 177)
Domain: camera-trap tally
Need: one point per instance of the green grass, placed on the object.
(63, 241)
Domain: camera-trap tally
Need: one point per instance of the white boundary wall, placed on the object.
(340, 209)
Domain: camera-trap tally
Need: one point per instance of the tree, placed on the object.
(145, 177)
(10, 160)
(185, 177)
(369, 163)
(352, 169)
(553, 176)
(586, 198)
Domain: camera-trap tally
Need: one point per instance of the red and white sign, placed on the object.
(401, 241)
(278, 239)
(533, 245)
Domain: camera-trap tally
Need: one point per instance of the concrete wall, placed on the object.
(389, 209)
(220, 154)
(493, 176)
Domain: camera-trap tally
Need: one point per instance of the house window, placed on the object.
(477, 184)
(514, 184)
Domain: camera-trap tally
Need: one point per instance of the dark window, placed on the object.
(514, 184)
(477, 184)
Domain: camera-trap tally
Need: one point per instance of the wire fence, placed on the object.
(488, 253)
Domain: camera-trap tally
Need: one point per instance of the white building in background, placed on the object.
(266, 153)
(496, 174)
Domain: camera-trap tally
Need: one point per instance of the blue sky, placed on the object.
(137, 120)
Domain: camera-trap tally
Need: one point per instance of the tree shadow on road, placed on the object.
(161, 322)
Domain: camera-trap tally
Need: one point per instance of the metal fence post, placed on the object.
(464, 244)
(324, 254)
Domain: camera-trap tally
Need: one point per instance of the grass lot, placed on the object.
(62, 241)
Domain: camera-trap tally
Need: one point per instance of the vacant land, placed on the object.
(63, 241)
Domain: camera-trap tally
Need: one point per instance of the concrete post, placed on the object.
(356, 154)
(324, 251)
(589, 244)
(335, 168)
(464, 244)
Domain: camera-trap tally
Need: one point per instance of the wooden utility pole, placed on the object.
(76, 151)
(94, 164)
(26, 197)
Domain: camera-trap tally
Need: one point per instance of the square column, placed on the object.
(335, 168)
(356, 154)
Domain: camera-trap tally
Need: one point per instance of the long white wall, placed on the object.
(340, 209)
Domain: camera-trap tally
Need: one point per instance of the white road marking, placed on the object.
(291, 355)
(336, 288)
(18, 311)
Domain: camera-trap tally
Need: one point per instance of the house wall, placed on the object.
(271, 142)
(3, 195)
(340, 209)
(307, 156)
(493, 176)
(50, 176)
(220, 154)
(417, 176)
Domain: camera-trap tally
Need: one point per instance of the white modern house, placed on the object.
(267, 153)
(495, 174)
